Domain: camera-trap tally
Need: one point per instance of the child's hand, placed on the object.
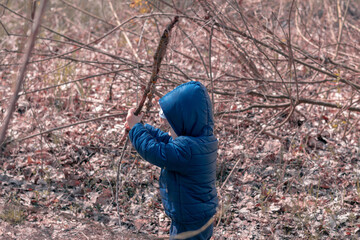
(131, 119)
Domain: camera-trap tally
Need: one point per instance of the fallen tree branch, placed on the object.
(148, 93)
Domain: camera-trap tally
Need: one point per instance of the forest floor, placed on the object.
(278, 193)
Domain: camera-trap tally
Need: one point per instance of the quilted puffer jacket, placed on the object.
(188, 162)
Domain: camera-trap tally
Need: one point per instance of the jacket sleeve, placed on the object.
(157, 133)
(174, 155)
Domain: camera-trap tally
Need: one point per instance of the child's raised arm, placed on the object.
(174, 155)
(158, 134)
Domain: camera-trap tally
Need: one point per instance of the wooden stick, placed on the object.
(159, 55)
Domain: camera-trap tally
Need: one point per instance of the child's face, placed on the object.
(166, 126)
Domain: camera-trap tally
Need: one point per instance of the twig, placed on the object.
(348, 118)
(260, 50)
(66, 126)
(20, 79)
(291, 57)
(7, 33)
(305, 101)
(341, 25)
(123, 32)
(306, 54)
(242, 57)
(210, 67)
(280, 105)
(80, 44)
(84, 235)
(292, 109)
(352, 84)
(118, 179)
(301, 34)
(87, 13)
(190, 234)
(325, 104)
(353, 26)
(91, 48)
(74, 81)
(247, 146)
(353, 126)
(69, 82)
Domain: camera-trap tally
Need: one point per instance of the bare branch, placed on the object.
(66, 126)
(20, 79)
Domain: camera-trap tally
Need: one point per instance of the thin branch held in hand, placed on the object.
(149, 91)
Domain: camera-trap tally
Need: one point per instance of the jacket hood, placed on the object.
(188, 110)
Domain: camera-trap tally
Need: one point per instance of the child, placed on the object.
(186, 156)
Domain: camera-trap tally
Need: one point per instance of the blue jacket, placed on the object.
(188, 163)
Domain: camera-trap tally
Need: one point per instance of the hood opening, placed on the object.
(188, 110)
